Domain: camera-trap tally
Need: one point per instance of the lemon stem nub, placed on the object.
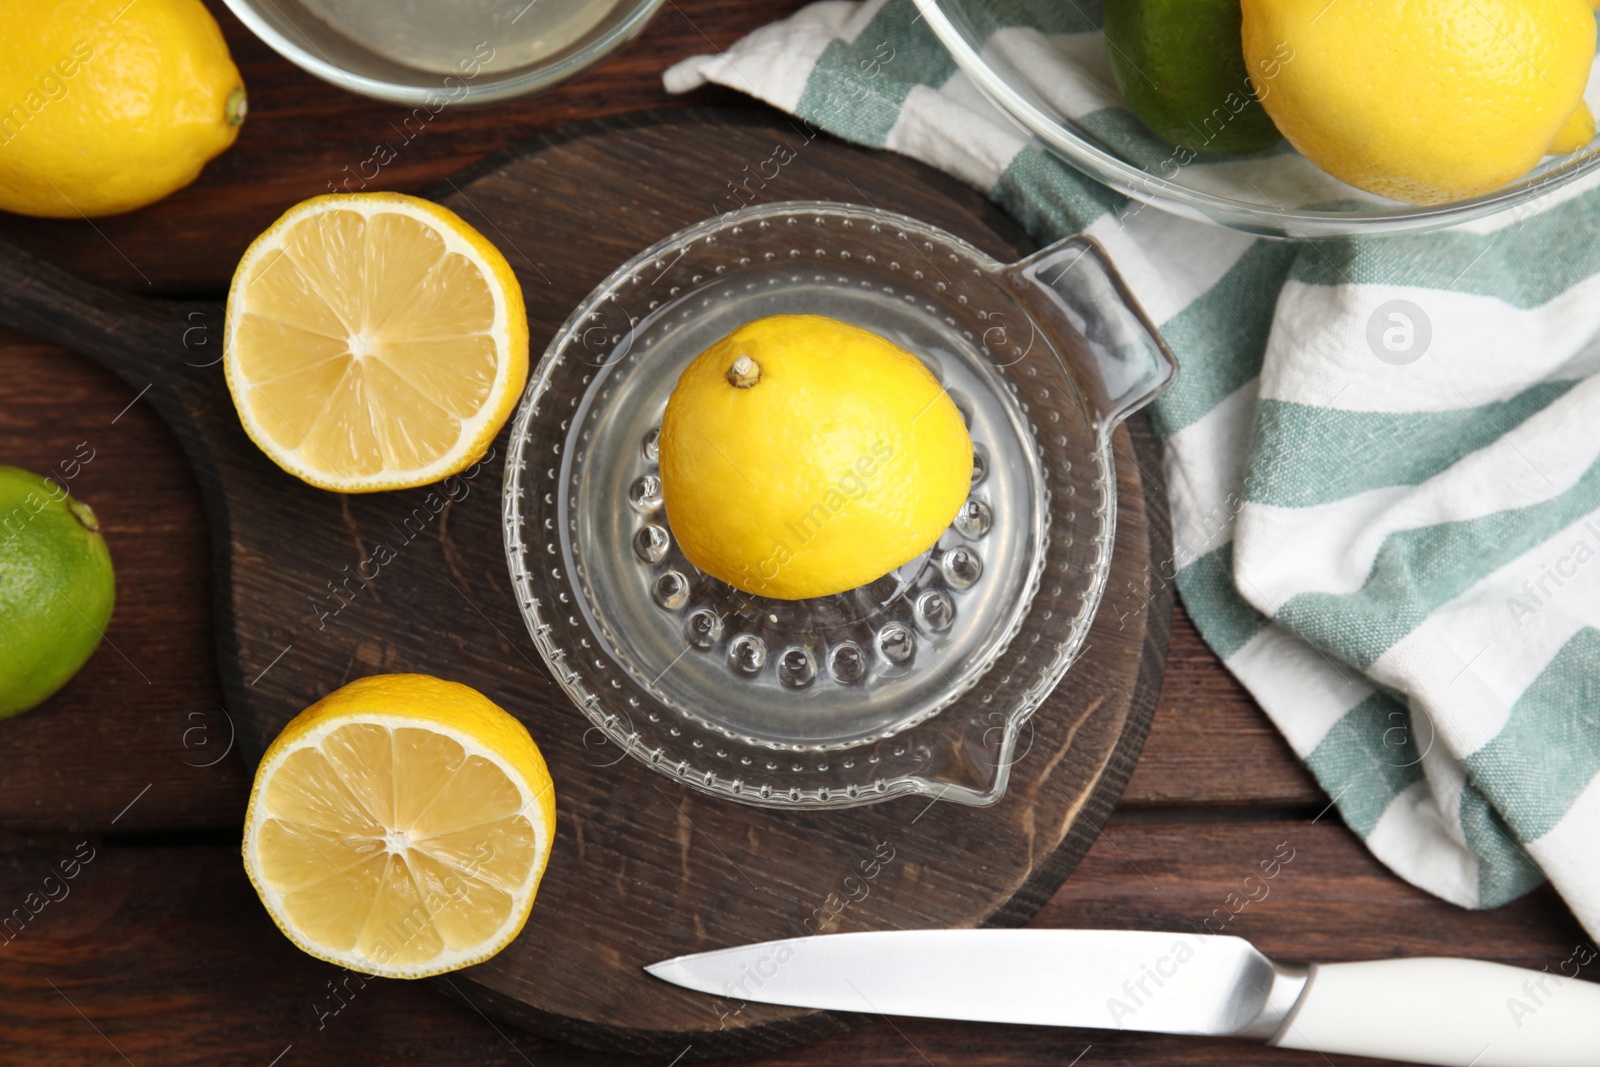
(236, 107)
(744, 373)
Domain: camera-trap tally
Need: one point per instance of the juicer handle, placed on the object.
(1118, 359)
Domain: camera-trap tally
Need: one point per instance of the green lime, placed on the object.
(56, 588)
(1180, 65)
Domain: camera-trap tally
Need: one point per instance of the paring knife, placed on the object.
(1450, 1012)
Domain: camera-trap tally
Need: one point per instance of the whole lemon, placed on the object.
(56, 588)
(802, 456)
(109, 105)
(1425, 101)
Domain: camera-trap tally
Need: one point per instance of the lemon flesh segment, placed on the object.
(374, 342)
(397, 847)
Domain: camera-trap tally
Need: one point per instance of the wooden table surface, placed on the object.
(158, 952)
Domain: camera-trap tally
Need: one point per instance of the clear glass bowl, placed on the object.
(916, 683)
(430, 54)
(1054, 84)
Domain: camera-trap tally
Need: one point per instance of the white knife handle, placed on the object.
(1449, 1012)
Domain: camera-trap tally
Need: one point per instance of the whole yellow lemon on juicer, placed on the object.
(1426, 101)
(802, 456)
(109, 105)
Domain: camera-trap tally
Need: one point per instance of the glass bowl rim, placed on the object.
(532, 79)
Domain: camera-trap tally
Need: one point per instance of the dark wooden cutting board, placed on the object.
(642, 868)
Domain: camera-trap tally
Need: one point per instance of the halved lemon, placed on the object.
(374, 341)
(400, 826)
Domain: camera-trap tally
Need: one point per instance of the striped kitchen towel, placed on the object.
(1383, 454)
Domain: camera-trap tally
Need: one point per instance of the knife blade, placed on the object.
(1448, 1012)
